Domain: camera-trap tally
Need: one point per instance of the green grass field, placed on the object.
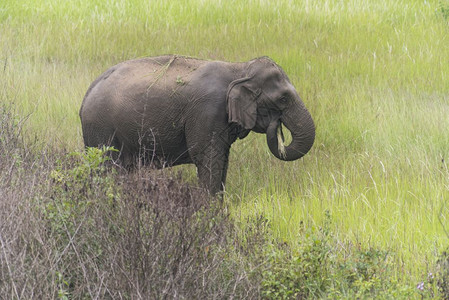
(373, 74)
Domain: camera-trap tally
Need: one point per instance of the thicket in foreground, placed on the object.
(73, 228)
(76, 229)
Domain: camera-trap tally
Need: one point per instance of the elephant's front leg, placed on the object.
(212, 172)
(212, 164)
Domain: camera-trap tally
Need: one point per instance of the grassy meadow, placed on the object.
(374, 75)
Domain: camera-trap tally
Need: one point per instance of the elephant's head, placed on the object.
(263, 100)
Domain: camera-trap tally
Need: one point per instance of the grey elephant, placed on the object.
(173, 110)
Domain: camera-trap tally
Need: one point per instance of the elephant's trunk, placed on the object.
(303, 136)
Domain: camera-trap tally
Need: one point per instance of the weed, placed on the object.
(442, 274)
(444, 9)
(179, 80)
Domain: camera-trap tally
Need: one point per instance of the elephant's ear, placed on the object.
(242, 106)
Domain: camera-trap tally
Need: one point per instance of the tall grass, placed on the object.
(373, 74)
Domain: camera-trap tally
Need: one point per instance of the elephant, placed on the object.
(171, 110)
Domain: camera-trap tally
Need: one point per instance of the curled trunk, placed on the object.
(303, 136)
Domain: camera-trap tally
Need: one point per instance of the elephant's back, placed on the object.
(144, 79)
(158, 78)
(159, 75)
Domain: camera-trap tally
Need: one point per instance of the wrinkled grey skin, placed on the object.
(173, 110)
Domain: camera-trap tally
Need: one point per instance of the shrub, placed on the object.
(299, 273)
(102, 233)
(316, 268)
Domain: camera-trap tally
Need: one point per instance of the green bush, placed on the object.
(317, 268)
(74, 186)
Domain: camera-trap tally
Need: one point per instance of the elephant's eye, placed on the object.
(283, 100)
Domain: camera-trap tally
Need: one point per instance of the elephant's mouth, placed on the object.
(281, 140)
